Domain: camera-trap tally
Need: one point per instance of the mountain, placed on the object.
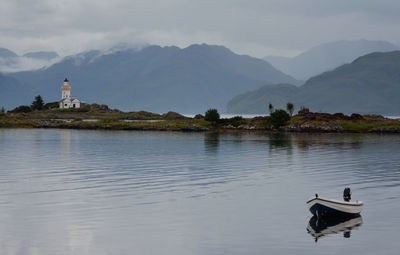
(14, 93)
(43, 55)
(154, 78)
(11, 62)
(256, 101)
(5, 53)
(327, 56)
(370, 84)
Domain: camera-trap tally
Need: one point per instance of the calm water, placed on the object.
(94, 192)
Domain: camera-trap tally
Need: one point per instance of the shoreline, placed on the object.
(145, 121)
(178, 127)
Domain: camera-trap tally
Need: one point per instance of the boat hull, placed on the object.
(321, 207)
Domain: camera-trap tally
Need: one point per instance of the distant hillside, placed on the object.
(370, 84)
(5, 53)
(257, 101)
(11, 62)
(44, 55)
(327, 56)
(14, 92)
(154, 78)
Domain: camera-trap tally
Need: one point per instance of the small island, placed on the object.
(72, 113)
(94, 116)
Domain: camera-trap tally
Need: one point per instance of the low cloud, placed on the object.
(24, 64)
(258, 28)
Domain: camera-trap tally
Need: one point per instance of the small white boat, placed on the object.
(324, 207)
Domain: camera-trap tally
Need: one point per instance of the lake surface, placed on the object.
(121, 192)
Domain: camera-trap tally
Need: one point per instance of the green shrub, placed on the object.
(235, 121)
(279, 118)
(22, 108)
(212, 115)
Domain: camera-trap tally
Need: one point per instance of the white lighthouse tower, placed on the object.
(66, 90)
(66, 100)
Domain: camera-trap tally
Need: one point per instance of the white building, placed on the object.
(66, 100)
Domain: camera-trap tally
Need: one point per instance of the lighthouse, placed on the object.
(66, 89)
(67, 101)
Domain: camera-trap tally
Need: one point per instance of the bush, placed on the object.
(235, 121)
(52, 105)
(22, 108)
(279, 118)
(212, 115)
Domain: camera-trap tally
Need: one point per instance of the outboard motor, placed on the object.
(347, 194)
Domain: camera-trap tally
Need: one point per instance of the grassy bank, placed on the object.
(342, 123)
(310, 122)
(106, 122)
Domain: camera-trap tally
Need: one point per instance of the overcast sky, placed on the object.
(254, 27)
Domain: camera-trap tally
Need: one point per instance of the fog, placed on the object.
(257, 28)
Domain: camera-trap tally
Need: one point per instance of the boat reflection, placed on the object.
(323, 227)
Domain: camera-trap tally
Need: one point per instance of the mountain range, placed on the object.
(153, 78)
(199, 77)
(326, 57)
(370, 84)
(11, 62)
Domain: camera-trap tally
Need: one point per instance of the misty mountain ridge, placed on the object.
(370, 84)
(11, 62)
(44, 55)
(154, 78)
(327, 56)
(6, 53)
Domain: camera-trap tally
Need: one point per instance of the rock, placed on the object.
(330, 117)
(373, 117)
(340, 116)
(331, 127)
(173, 116)
(143, 115)
(356, 116)
(199, 117)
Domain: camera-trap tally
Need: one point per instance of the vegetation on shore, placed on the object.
(311, 122)
(101, 117)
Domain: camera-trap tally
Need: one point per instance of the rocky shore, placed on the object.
(104, 119)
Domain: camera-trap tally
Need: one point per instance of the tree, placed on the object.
(38, 103)
(290, 108)
(270, 108)
(279, 118)
(212, 115)
(2, 111)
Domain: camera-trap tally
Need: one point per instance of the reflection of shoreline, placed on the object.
(323, 227)
(65, 144)
(211, 142)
